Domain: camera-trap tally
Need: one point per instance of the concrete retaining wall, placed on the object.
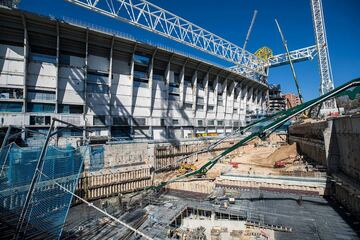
(129, 167)
(336, 145)
(333, 143)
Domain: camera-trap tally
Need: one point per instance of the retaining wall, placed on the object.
(334, 144)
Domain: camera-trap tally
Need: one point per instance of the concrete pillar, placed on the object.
(225, 102)
(182, 93)
(249, 98)
(232, 97)
(26, 57)
(182, 85)
(152, 92)
(206, 98)
(254, 99)
(110, 123)
(239, 103)
(132, 65)
(245, 102)
(194, 93)
(57, 67)
(85, 82)
(167, 81)
(264, 103)
(216, 95)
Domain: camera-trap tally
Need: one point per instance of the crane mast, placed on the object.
(148, 16)
(326, 78)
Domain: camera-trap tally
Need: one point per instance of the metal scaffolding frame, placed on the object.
(152, 18)
(303, 54)
(326, 78)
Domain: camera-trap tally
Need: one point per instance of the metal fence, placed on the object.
(49, 203)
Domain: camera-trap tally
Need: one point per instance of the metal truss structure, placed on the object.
(150, 17)
(326, 77)
(298, 55)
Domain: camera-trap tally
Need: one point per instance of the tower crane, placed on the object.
(290, 60)
(150, 17)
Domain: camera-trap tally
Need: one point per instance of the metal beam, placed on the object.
(326, 84)
(303, 54)
(150, 17)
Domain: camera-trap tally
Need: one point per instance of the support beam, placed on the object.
(26, 57)
(326, 77)
(206, 99)
(299, 55)
(150, 17)
(167, 82)
(110, 123)
(194, 93)
(152, 92)
(182, 85)
(132, 66)
(85, 108)
(240, 86)
(245, 102)
(216, 95)
(57, 67)
(225, 102)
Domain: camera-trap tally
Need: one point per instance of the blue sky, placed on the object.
(231, 20)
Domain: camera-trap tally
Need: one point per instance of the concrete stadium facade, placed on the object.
(116, 86)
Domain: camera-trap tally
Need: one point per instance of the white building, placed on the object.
(113, 85)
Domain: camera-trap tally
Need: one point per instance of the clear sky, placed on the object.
(230, 19)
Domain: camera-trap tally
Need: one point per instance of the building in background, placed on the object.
(115, 86)
(292, 100)
(276, 102)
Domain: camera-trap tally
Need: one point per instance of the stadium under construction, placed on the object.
(104, 136)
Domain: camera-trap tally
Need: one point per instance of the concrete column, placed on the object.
(132, 64)
(225, 102)
(57, 67)
(152, 92)
(216, 90)
(182, 85)
(239, 102)
(206, 100)
(260, 93)
(167, 81)
(85, 81)
(26, 57)
(254, 99)
(110, 84)
(181, 91)
(249, 99)
(264, 102)
(246, 91)
(194, 92)
(232, 97)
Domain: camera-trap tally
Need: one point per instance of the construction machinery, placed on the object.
(186, 167)
(269, 125)
(290, 60)
(148, 16)
(264, 53)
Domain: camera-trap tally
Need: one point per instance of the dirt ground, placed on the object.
(259, 160)
(255, 158)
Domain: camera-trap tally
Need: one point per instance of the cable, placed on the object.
(98, 209)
